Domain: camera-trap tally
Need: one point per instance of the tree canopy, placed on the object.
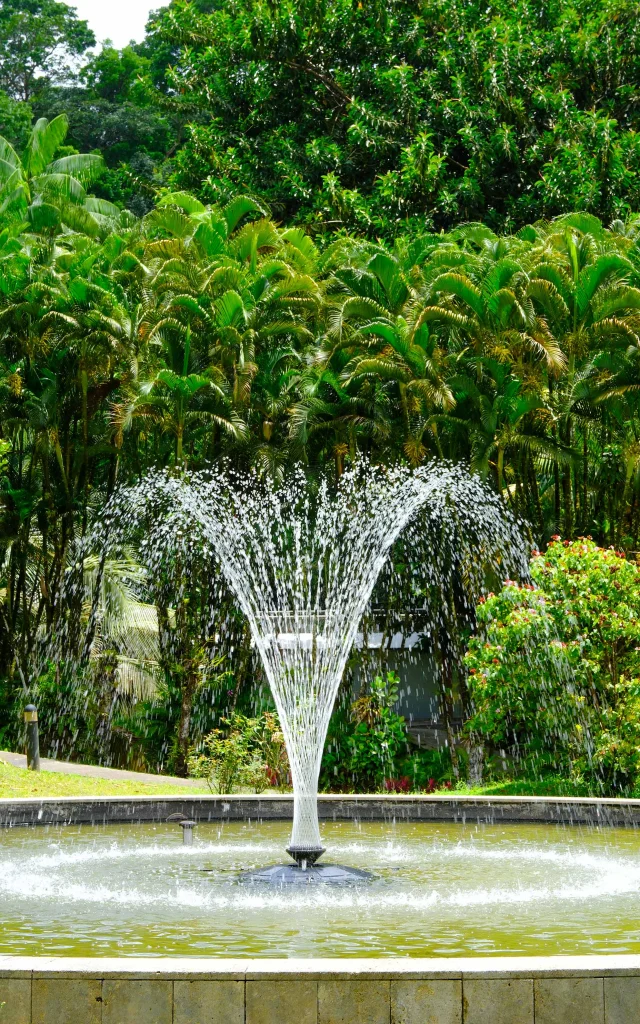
(202, 332)
(388, 116)
(39, 40)
(380, 118)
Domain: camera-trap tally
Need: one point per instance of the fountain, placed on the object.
(302, 565)
(448, 878)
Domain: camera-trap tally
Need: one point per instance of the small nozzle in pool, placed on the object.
(186, 825)
(305, 856)
(187, 831)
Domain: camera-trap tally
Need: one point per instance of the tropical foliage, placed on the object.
(301, 233)
(554, 671)
(201, 332)
(366, 750)
(381, 117)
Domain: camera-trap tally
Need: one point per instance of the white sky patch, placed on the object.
(118, 20)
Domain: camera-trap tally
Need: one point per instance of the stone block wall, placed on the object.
(498, 990)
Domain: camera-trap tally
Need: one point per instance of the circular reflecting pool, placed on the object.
(439, 890)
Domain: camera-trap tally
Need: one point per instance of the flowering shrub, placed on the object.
(401, 785)
(554, 671)
(433, 785)
(249, 752)
(404, 784)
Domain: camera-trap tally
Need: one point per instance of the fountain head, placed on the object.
(305, 856)
(186, 825)
(187, 831)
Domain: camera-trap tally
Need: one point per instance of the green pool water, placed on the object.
(439, 890)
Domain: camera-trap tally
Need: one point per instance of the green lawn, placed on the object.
(20, 782)
(527, 787)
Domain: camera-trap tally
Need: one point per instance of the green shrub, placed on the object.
(554, 671)
(249, 752)
(428, 770)
(366, 745)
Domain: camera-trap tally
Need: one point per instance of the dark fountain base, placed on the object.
(305, 871)
(313, 874)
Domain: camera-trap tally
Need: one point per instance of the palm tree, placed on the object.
(486, 306)
(375, 347)
(331, 420)
(275, 388)
(508, 430)
(48, 192)
(180, 396)
(580, 284)
(125, 628)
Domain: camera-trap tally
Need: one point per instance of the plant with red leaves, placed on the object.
(401, 785)
(432, 785)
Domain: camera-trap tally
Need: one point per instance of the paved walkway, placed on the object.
(94, 771)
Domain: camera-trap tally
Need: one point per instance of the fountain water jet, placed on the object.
(302, 565)
(302, 562)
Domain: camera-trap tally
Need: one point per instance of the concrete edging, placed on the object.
(331, 807)
(500, 990)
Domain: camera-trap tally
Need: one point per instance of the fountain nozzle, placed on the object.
(187, 831)
(186, 825)
(305, 856)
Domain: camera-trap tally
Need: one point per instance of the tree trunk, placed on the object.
(556, 488)
(567, 498)
(476, 760)
(585, 481)
(189, 687)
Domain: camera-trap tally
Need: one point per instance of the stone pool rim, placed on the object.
(176, 990)
(205, 808)
(239, 968)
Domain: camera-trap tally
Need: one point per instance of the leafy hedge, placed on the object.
(554, 670)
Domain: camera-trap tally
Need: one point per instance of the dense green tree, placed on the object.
(15, 121)
(115, 75)
(39, 40)
(385, 114)
(379, 117)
